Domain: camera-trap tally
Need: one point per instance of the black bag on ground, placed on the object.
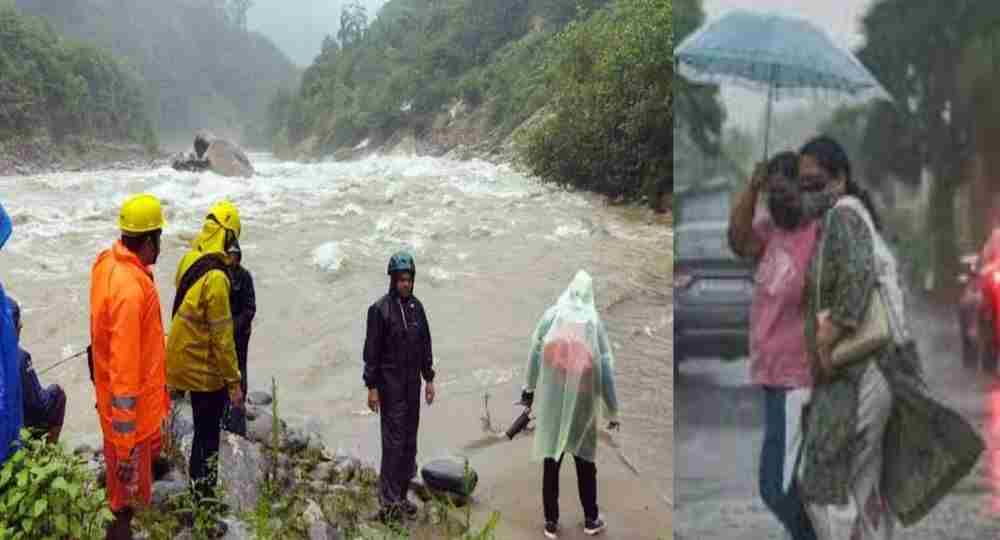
(449, 475)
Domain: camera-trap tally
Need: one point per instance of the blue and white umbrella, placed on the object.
(784, 56)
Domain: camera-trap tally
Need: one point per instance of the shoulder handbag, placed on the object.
(872, 334)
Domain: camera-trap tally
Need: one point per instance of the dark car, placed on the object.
(712, 293)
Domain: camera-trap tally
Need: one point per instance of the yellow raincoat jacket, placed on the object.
(201, 352)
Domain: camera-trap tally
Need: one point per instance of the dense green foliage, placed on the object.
(417, 56)
(62, 86)
(601, 70)
(201, 67)
(610, 128)
(938, 62)
(46, 492)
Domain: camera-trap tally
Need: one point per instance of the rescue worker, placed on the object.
(243, 304)
(572, 367)
(201, 353)
(397, 353)
(44, 408)
(126, 334)
(11, 411)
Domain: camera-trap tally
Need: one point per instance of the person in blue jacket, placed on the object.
(11, 405)
(44, 408)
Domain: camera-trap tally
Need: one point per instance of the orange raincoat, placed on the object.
(129, 352)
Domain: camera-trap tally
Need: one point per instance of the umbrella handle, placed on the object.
(767, 119)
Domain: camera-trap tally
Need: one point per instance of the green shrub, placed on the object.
(46, 492)
(425, 54)
(611, 128)
(65, 87)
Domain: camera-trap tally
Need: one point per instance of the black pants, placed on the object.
(207, 409)
(400, 418)
(586, 479)
(242, 348)
(121, 527)
(234, 419)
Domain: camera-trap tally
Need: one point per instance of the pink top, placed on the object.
(777, 328)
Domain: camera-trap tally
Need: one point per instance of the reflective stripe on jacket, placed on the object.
(126, 332)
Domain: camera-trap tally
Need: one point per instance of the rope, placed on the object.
(67, 359)
(63, 361)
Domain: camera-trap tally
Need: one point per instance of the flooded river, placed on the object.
(493, 250)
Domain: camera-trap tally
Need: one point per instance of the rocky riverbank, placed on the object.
(281, 481)
(461, 132)
(41, 155)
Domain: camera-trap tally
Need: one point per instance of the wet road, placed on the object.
(718, 432)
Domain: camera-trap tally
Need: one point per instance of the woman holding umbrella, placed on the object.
(780, 243)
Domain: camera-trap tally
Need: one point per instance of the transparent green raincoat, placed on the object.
(571, 372)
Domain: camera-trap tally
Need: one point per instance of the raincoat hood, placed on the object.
(211, 239)
(572, 368)
(578, 298)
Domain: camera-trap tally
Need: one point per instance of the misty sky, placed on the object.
(298, 27)
(841, 19)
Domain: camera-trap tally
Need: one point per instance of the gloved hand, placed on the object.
(614, 425)
(166, 435)
(236, 397)
(128, 474)
(527, 398)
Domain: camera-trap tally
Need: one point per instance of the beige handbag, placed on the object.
(872, 334)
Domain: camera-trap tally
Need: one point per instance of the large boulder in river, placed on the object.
(221, 156)
(227, 159)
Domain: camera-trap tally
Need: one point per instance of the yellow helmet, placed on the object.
(227, 216)
(141, 214)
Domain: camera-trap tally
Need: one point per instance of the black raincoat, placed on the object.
(397, 353)
(243, 305)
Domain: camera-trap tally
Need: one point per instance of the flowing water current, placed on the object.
(493, 250)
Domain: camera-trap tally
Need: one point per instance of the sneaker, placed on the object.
(594, 527)
(551, 530)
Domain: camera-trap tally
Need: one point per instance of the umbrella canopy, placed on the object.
(785, 56)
